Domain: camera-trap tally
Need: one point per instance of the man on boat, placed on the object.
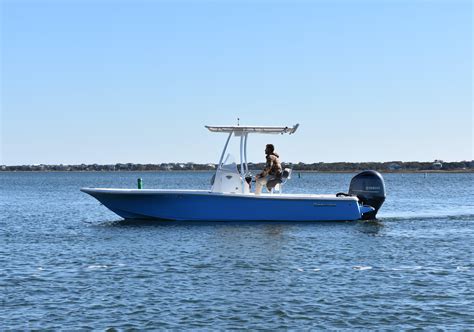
(272, 171)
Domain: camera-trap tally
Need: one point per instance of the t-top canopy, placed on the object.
(253, 129)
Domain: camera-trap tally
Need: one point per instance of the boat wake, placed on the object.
(427, 217)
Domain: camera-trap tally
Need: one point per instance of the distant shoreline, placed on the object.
(254, 171)
(438, 166)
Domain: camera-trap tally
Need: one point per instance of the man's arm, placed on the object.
(268, 167)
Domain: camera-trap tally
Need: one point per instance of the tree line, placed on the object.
(392, 166)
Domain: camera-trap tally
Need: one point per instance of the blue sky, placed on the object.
(136, 81)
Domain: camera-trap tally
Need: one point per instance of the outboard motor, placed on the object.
(369, 187)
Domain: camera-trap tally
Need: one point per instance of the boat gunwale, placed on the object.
(198, 192)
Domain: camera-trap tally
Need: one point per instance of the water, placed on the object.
(66, 262)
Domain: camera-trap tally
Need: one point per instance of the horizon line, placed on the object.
(250, 162)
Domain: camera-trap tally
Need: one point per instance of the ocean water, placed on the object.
(66, 262)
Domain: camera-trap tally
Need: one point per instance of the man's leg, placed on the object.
(272, 182)
(259, 184)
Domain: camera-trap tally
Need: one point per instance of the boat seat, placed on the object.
(276, 184)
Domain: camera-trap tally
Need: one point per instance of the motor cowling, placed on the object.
(369, 187)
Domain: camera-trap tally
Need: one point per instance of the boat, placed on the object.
(229, 197)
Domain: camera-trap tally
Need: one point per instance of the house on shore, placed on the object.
(437, 164)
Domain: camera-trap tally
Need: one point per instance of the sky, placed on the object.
(136, 81)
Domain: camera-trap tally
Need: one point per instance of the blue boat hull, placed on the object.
(207, 206)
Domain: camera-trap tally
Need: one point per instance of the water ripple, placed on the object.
(66, 263)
